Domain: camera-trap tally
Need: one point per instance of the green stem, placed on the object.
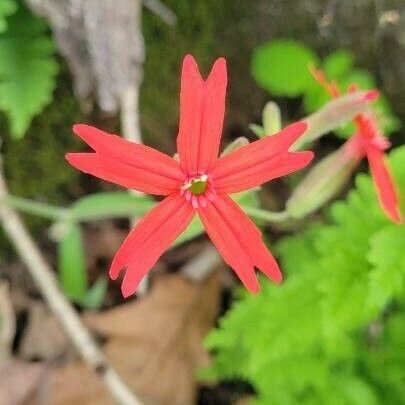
(35, 208)
(268, 216)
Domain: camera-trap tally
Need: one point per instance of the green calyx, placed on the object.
(198, 186)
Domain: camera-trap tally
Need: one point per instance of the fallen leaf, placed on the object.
(155, 343)
(42, 323)
(19, 381)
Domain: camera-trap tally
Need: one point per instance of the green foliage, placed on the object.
(7, 7)
(281, 67)
(72, 263)
(110, 205)
(27, 69)
(72, 270)
(308, 340)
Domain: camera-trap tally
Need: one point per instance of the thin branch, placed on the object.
(44, 278)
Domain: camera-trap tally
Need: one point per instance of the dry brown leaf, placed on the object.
(155, 343)
(42, 323)
(19, 381)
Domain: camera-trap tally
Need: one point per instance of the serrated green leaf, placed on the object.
(110, 205)
(387, 278)
(281, 67)
(307, 340)
(72, 264)
(28, 69)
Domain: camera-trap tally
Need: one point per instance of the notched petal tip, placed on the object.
(277, 278)
(126, 291)
(308, 156)
(70, 158)
(190, 64)
(78, 128)
(299, 127)
(219, 65)
(218, 76)
(398, 219)
(254, 288)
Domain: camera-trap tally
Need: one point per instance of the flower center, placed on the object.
(197, 186)
(197, 190)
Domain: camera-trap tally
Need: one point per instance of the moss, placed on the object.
(201, 29)
(35, 166)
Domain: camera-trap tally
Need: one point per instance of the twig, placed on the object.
(43, 276)
(161, 10)
(130, 125)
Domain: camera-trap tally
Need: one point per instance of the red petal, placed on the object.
(149, 239)
(130, 153)
(123, 174)
(191, 104)
(261, 161)
(239, 241)
(213, 116)
(202, 106)
(384, 183)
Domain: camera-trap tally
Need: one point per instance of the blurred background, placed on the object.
(333, 333)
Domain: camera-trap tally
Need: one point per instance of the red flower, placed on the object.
(200, 183)
(368, 141)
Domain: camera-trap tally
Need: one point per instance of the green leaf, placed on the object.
(338, 63)
(95, 295)
(28, 69)
(72, 264)
(7, 8)
(281, 67)
(110, 205)
(387, 278)
(313, 339)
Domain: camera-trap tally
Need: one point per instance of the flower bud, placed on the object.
(324, 181)
(271, 118)
(334, 114)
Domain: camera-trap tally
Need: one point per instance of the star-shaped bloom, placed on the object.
(368, 141)
(199, 184)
